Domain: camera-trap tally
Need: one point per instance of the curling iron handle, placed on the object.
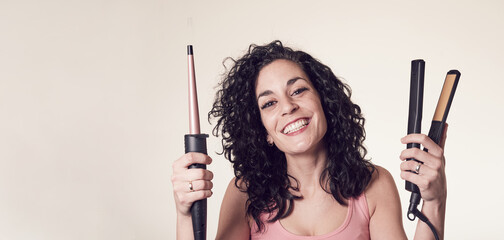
(197, 143)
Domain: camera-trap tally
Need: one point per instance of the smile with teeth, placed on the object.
(295, 126)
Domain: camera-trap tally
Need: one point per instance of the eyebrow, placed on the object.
(269, 92)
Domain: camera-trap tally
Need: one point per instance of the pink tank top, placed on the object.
(355, 226)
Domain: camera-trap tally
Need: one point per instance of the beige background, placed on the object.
(93, 102)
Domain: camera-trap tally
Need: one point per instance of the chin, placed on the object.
(302, 148)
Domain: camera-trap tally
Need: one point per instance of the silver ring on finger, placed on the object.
(191, 186)
(417, 169)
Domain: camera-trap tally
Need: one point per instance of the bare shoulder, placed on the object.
(384, 206)
(237, 193)
(380, 188)
(233, 220)
(236, 196)
(381, 179)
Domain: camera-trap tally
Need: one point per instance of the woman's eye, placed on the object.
(298, 91)
(268, 104)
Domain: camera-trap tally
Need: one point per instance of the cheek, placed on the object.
(324, 125)
(322, 117)
(267, 122)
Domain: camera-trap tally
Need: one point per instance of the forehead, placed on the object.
(278, 72)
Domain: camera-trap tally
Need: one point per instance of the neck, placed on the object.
(307, 169)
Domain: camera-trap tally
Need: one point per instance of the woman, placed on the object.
(295, 141)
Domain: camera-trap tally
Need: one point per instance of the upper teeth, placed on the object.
(295, 126)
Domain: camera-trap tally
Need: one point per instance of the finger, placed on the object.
(189, 198)
(198, 174)
(423, 139)
(198, 195)
(191, 158)
(187, 175)
(426, 157)
(412, 166)
(413, 178)
(424, 180)
(201, 185)
(416, 154)
(409, 165)
(192, 186)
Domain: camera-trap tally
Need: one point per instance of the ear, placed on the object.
(270, 141)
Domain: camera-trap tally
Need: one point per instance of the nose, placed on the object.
(289, 107)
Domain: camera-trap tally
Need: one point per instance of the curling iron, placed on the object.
(437, 126)
(195, 142)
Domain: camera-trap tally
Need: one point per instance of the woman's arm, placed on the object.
(431, 180)
(384, 207)
(383, 198)
(233, 220)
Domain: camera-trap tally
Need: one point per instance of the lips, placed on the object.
(295, 125)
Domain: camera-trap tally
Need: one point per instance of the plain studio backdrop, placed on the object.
(93, 102)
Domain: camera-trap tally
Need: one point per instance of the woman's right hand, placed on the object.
(184, 178)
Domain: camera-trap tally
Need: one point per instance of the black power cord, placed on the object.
(413, 212)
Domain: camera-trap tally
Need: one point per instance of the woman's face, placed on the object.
(290, 108)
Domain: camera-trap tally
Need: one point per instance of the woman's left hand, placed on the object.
(431, 178)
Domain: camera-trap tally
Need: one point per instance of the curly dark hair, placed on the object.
(262, 168)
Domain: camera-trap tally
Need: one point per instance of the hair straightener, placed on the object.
(437, 126)
(195, 142)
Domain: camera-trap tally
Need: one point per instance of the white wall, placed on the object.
(93, 101)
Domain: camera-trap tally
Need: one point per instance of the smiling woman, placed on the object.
(295, 138)
(274, 74)
(291, 112)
